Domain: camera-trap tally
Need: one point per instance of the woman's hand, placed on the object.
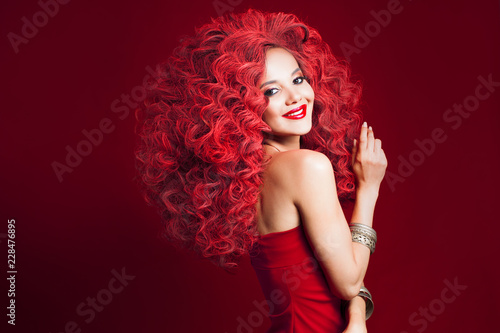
(368, 159)
(356, 316)
(356, 327)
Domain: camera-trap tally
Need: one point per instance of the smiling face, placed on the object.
(291, 98)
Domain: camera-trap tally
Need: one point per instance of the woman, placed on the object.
(248, 146)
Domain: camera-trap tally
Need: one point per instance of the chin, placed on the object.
(307, 128)
(305, 132)
(298, 132)
(297, 129)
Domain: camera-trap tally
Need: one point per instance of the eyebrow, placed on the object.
(272, 81)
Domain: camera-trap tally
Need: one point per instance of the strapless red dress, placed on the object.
(294, 285)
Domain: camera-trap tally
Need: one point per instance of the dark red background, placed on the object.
(440, 223)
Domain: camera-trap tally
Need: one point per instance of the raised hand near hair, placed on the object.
(368, 159)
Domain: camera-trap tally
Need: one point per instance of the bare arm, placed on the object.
(313, 189)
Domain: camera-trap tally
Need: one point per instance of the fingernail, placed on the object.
(365, 124)
(370, 128)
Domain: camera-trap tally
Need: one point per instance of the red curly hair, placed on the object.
(200, 158)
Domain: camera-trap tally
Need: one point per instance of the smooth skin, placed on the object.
(300, 188)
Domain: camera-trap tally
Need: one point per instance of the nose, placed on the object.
(293, 96)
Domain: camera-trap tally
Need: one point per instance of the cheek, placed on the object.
(264, 117)
(311, 93)
(271, 112)
(267, 116)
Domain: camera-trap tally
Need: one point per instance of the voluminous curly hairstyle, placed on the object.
(200, 158)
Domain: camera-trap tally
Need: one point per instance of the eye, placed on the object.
(269, 92)
(297, 80)
(301, 79)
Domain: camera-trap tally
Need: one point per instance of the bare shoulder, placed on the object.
(301, 169)
(300, 161)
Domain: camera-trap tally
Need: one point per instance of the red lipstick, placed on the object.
(297, 113)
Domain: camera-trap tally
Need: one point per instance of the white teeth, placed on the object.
(295, 113)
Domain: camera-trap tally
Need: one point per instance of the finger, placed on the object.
(384, 158)
(370, 144)
(363, 136)
(378, 148)
(354, 151)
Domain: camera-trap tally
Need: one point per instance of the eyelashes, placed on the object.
(269, 92)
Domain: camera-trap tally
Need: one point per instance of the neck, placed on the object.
(283, 143)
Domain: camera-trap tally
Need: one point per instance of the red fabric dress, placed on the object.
(294, 285)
